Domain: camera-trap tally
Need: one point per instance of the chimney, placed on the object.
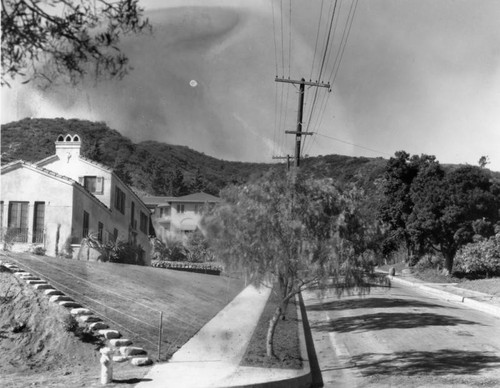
(68, 147)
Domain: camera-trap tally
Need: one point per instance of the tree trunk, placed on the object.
(449, 255)
(271, 330)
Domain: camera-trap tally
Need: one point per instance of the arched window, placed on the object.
(68, 138)
(76, 138)
(60, 138)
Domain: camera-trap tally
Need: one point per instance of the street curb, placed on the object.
(448, 296)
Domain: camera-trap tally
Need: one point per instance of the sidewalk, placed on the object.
(448, 291)
(212, 357)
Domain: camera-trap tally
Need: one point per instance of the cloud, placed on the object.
(420, 76)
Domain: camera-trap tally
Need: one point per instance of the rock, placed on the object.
(26, 278)
(392, 271)
(53, 292)
(43, 287)
(60, 298)
(88, 318)
(22, 274)
(141, 361)
(120, 358)
(131, 351)
(98, 326)
(33, 282)
(69, 304)
(110, 334)
(120, 342)
(80, 311)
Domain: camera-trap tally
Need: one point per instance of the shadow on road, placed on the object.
(410, 363)
(382, 321)
(369, 303)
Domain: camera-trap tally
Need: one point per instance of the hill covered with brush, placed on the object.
(164, 169)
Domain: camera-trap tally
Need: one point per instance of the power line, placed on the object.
(274, 40)
(355, 145)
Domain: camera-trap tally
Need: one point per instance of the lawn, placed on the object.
(130, 298)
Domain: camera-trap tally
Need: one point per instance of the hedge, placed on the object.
(206, 268)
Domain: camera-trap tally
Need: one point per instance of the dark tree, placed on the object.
(432, 210)
(178, 184)
(397, 205)
(45, 40)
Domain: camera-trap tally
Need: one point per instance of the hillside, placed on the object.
(152, 167)
(164, 169)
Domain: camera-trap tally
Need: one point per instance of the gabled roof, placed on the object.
(21, 163)
(190, 198)
(54, 158)
(97, 164)
(48, 159)
(197, 197)
(33, 167)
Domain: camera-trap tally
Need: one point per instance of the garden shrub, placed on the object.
(38, 250)
(197, 248)
(480, 259)
(206, 268)
(429, 261)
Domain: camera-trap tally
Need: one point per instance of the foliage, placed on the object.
(67, 249)
(38, 250)
(206, 268)
(115, 251)
(171, 250)
(291, 229)
(10, 236)
(198, 249)
(70, 323)
(430, 209)
(480, 259)
(44, 40)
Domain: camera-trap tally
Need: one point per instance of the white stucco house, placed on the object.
(178, 216)
(65, 197)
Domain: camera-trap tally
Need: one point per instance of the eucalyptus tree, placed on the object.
(291, 230)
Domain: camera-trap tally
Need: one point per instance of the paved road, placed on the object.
(401, 338)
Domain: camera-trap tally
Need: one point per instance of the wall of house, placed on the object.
(130, 230)
(75, 168)
(97, 212)
(25, 185)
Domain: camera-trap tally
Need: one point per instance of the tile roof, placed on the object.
(194, 198)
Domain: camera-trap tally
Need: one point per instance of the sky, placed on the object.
(421, 76)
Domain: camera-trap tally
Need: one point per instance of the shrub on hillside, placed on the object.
(70, 323)
(480, 259)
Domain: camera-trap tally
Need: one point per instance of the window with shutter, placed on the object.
(99, 185)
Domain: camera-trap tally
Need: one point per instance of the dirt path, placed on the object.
(395, 337)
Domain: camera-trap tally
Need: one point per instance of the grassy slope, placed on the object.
(188, 300)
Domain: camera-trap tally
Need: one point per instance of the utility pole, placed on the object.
(287, 160)
(298, 133)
